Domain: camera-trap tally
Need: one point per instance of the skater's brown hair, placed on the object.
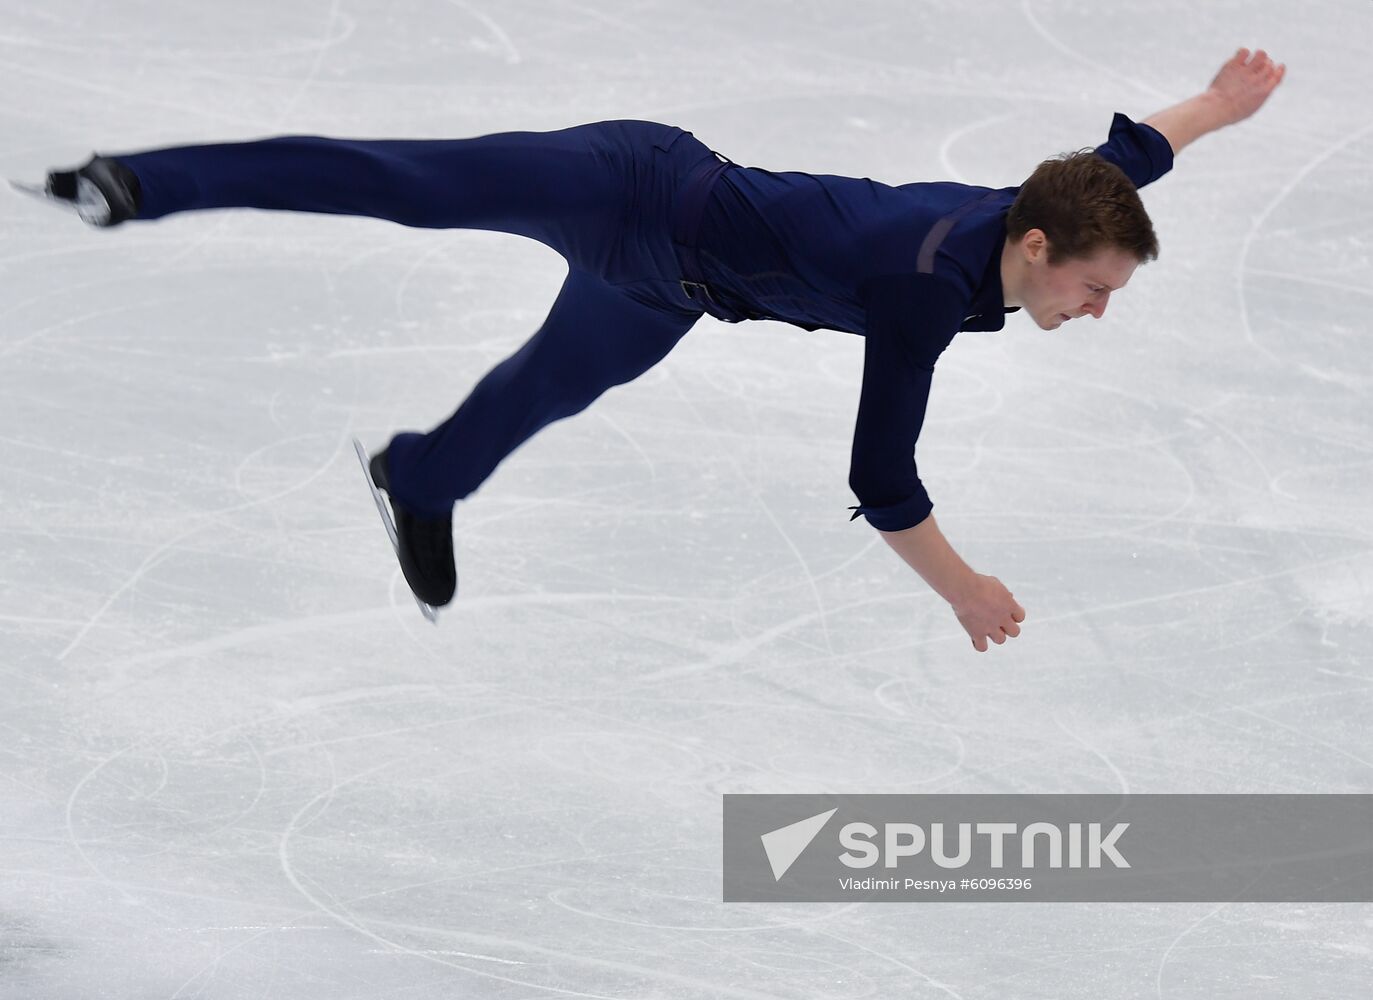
(1083, 203)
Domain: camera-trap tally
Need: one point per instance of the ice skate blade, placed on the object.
(89, 205)
(430, 612)
(40, 192)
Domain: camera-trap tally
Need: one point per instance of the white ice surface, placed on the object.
(236, 762)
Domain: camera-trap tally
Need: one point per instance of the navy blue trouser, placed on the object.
(600, 194)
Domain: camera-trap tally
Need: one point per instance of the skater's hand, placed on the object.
(1243, 84)
(988, 611)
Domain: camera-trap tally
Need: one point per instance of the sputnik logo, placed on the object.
(785, 844)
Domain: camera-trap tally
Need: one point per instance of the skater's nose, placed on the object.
(1096, 305)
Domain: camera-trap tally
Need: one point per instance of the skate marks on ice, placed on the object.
(571, 841)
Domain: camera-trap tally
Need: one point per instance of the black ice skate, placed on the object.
(104, 192)
(424, 546)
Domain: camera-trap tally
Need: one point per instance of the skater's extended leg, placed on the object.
(535, 184)
(595, 337)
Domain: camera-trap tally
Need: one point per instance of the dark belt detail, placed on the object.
(686, 225)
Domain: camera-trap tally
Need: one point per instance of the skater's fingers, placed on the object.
(1011, 630)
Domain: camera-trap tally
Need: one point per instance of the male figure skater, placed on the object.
(658, 230)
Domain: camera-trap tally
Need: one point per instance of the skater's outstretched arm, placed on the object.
(982, 604)
(910, 322)
(1238, 90)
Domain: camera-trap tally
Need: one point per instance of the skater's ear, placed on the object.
(1034, 245)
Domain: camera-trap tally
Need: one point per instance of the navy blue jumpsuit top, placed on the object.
(907, 266)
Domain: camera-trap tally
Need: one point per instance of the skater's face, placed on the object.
(1053, 294)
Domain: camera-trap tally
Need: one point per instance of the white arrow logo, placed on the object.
(784, 845)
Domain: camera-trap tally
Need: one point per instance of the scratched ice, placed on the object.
(237, 763)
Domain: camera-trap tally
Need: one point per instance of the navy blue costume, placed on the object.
(657, 230)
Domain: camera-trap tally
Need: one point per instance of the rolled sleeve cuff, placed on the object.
(898, 516)
(1141, 150)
